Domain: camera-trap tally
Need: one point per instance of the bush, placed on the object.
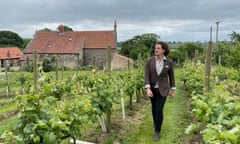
(48, 64)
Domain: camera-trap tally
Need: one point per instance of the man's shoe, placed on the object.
(156, 136)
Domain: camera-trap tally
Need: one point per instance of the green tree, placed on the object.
(229, 51)
(176, 56)
(136, 49)
(67, 28)
(9, 38)
(232, 57)
(28, 66)
(45, 30)
(185, 51)
(25, 43)
(48, 64)
(234, 36)
(139, 44)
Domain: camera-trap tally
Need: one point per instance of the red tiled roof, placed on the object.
(70, 42)
(10, 53)
(123, 57)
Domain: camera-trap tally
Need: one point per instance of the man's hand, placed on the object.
(171, 93)
(149, 92)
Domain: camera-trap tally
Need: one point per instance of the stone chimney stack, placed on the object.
(61, 29)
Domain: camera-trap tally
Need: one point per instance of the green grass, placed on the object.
(8, 108)
(13, 80)
(7, 124)
(5, 101)
(176, 119)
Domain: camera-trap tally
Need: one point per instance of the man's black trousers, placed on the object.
(158, 102)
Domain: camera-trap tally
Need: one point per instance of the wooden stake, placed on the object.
(35, 72)
(208, 64)
(108, 71)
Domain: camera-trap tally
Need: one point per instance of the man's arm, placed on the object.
(171, 76)
(147, 80)
(172, 80)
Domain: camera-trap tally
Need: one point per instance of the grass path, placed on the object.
(176, 119)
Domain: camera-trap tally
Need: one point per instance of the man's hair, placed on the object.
(165, 47)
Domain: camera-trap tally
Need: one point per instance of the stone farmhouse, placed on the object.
(75, 48)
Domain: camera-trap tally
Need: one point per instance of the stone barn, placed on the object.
(74, 48)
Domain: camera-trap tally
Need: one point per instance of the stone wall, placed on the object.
(69, 60)
(120, 62)
(97, 56)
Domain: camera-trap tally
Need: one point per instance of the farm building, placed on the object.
(74, 48)
(11, 56)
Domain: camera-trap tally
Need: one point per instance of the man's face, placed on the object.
(158, 50)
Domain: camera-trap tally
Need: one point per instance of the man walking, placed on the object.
(159, 83)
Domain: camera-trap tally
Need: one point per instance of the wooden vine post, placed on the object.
(196, 56)
(6, 75)
(35, 72)
(56, 67)
(208, 64)
(139, 69)
(108, 71)
(62, 65)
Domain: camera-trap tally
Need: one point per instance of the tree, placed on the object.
(235, 36)
(136, 49)
(139, 44)
(45, 30)
(28, 66)
(230, 54)
(8, 38)
(185, 51)
(25, 43)
(67, 28)
(48, 64)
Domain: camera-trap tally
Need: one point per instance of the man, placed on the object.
(159, 83)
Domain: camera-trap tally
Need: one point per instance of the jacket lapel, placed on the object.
(165, 66)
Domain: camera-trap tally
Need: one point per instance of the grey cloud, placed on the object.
(173, 19)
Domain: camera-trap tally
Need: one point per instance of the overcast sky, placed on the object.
(172, 20)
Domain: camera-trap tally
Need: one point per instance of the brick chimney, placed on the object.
(61, 29)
